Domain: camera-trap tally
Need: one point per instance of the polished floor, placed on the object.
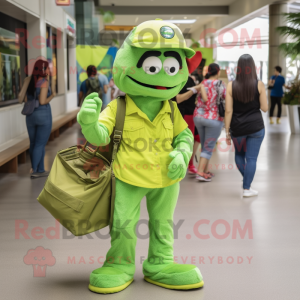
(263, 262)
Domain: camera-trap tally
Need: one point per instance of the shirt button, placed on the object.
(155, 141)
(156, 153)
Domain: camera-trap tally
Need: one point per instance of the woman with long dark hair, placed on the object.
(244, 124)
(39, 123)
(207, 119)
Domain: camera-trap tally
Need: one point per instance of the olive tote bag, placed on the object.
(80, 189)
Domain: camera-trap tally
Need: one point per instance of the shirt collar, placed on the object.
(132, 108)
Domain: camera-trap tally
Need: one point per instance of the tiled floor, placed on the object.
(262, 265)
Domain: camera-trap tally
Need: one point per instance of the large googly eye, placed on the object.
(152, 65)
(171, 66)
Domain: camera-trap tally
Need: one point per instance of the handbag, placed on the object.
(80, 189)
(30, 106)
(220, 101)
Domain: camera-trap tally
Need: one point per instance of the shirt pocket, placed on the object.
(168, 129)
(133, 130)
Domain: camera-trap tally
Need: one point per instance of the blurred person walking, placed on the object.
(207, 119)
(276, 84)
(39, 122)
(95, 83)
(105, 86)
(244, 124)
(186, 104)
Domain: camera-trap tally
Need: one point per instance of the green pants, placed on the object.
(161, 204)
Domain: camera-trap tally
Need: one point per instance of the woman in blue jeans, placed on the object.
(39, 123)
(207, 119)
(245, 98)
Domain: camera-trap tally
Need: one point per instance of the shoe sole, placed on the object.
(111, 290)
(245, 196)
(38, 176)
(203, 179)
(192, 174)
(176, 287)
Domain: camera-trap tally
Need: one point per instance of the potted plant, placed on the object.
(292, 50)
(292, 100)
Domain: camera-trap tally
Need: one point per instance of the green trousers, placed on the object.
(161, 204)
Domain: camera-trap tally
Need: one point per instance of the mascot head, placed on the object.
(154, 61)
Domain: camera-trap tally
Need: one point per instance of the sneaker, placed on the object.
(271, 121)
(250, 193)
(39, 174)
(192, 170)
(254, 191)
(203, 177)
(278, 121)
(210, 174)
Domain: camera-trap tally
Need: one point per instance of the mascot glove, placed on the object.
(94, 132)
(177, 167)
(90, 110)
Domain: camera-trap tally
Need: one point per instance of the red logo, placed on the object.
(39, 258)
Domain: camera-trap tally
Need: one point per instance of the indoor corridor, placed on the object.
(245, 248)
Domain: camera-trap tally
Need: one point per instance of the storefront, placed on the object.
(32, 30)
(13, 59)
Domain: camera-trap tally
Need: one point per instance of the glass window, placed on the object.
(13, 59)
(52, 56)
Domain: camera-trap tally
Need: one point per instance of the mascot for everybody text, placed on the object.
(151, 67)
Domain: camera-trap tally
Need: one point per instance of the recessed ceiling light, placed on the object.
(182, 21)
(136, 19)
(185, 17)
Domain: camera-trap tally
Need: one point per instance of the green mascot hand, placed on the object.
(177, 167)
(90, 110)
(183, 145)
(88, 116)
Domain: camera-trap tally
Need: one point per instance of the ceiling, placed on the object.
(186, 28)
(164, 2)
(169, 10)
(129, 19)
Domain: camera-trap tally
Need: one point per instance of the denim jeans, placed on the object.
(209, 132)
(246, 153)
(39, 125)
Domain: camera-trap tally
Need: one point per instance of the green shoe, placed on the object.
(178, 277)
(108, 280)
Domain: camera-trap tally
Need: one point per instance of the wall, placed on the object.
(32, 6)
(239, 12)
(12, 124)
(38, 13)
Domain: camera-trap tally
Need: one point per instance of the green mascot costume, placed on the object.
(151, 67)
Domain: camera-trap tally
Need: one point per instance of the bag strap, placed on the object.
(218, 92)
(118, 131)
(172, 110)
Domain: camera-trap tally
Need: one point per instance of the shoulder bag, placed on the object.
(220, 101)
(80, 189)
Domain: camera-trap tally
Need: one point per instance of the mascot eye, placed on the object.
(152, 65)
(171, 66)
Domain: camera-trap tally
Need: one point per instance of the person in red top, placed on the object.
(207, 120)
(186, 104)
